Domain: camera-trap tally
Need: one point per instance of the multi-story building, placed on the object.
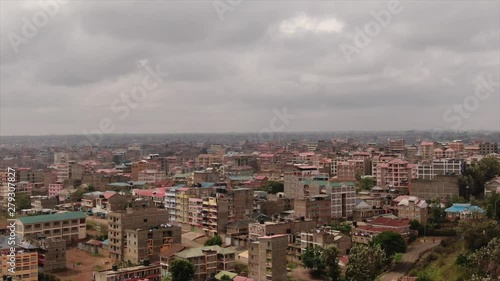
(25, 261)
(139, 273)
(61, 158)
(426, 150)
(209, 260)
(266, 258)
(147, 243)
(62, 172)
(486, 148)
(396, 174)
(347, 170)
(139, 166)
(131, 218)
(396, 145)
(294, 181)
(442, 187)
(69, 226)
(30, 175)
(429, 170)
(256, 230)
(51, 253)
(317, 208)
(54, 189)
(365, 233)
(412, 208)
(322, 236)
(150, 175)
(343, 196)
(215, 214)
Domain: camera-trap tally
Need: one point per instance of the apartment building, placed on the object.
(266, 258)
(412, 208)
(396, 174)
(443, 187)
(26, 264)
(322, 236)
(316, 208)
(139, 273)
(380, 159)
(347, 170)
(294, 181)
(147, 243)
(486, 148)
(426, 150)
(131, 219)
(209, 260)
(256, 230)
(343, 198)
(215, 214)
(139, 166)
(151, 175)
(396, 145)
(54, 189)
(365, 233)
(51, 253)
(69, 226)
(429, 170)
(30, 175)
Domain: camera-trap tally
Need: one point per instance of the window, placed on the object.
(145, 220)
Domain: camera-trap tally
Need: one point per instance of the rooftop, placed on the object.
(53, 217)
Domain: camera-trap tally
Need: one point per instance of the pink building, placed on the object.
(55, 188)
(396, 174)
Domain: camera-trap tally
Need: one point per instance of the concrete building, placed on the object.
(256, 230)
(365, 233)
(322, 236)
(51, 253)
(131, 219)
(443, 187)
(343, 196)
(69, 226)
(412, 208)
(266, 258)
(317, 208)
(215, 214)
(209, 260)
(486, 148)
(429, 170)
(151, 175)
(139, 273)
(426, 150)
(396, 174)
(147, 243)
(26, 264)
(396, 145)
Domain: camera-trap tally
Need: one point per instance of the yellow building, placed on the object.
(26, 268)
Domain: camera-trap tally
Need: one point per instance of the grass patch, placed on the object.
(97, 255)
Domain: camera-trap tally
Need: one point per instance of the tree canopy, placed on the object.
(216, 240)
(181, 270)
(323, 262)
(273, 187)
(390, 242)
(475, 176)
(366, 262)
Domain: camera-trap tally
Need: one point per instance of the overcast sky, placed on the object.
(228, 69)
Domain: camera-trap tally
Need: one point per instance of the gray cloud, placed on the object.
(229, 75)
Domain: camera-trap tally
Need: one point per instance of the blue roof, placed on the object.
(105, 242)
(207, 184)
(458, 208)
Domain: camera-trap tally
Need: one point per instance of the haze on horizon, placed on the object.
(232, 73)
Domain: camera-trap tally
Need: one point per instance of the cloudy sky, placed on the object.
(232, 64)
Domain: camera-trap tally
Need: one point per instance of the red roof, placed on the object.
(390, 222)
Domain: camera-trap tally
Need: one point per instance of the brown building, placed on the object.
(365, 233)
(486, 148)
(131, 219)
(142, 272)
(411, 207)
(266, 258)
(322, 236)
(147, 243)
(442, 187)
(256, 230)
(317, 208)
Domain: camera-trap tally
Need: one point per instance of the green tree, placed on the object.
(331, 263)
(416, 225)
(366, 262)
(181, 270)
(366, 183)
(485, 262)
(342, 226)
(216, 240)
(476, 175)
(23, 201)
(311, 258)
(225, 277)
(478, 234)
(390, 242)
(436, 212)
(273, 187)
(493, 206)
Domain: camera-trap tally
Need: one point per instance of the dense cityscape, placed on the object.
(249, 140)
(238, 207)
